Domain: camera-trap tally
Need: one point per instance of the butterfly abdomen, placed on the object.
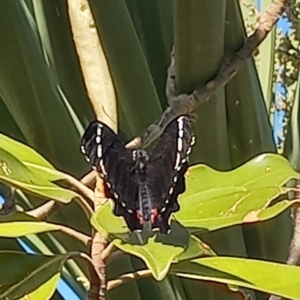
(145, 211)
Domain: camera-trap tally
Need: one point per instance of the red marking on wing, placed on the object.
(139, 217)
(154, 215)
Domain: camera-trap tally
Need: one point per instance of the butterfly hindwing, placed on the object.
(166, 169)
(104, 150)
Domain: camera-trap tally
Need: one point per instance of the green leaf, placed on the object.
(219, 199)
(17, 174)
(29, 276)
(104, 219)
(32, 92)
(273, 278)
(196, 248)
(249, 131)
(19, 224)
(29, 157)
(128, 65)
(156, 250)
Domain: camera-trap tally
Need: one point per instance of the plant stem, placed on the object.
(186, 103)
(128, 277)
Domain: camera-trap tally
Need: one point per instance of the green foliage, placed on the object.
(213, 200)
(19, 224)
(29, 276)
(43, 102)
(278, 279)
(23, 168)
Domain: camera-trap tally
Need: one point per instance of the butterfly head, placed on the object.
(141, 159)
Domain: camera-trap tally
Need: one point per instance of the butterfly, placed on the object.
(144, 187)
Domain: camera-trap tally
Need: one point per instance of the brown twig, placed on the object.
(107, 252)
(99, 242)
(186, 103)
(79, 186)
(86, 240)
(89, 179)
(48, 208)
(43, 211)
(127, 277)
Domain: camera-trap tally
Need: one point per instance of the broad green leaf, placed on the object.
(30, 88)
(128, 65)
(19, 224)
(219, 199)
(29, 276)
(104, 219)
(29, 157)
(196, 248)
(17, 174)
(156, 250)
(195, 65)
(249, 131)
(273, 278)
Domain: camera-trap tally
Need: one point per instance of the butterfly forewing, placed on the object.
(166, 168)
(104, 150)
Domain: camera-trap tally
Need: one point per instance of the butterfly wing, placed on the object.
(166, 169)
(104, 150)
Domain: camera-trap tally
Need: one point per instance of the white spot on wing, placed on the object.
(99, 130)
(188, 151)
(167, 201)
(116, 196)
(82, 149)
(180, 133)
(177, 163)
(193, 141)
(175, 179)
(98, 139)
(99, 151)
(123, 204)
(130, 211)
(87, 159)
(102, 167)
(162, 209)
(179, 144)
(171, 190)
(180, 122)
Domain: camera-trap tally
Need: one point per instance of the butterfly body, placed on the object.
(143, 187)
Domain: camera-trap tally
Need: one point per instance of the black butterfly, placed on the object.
(144, 188)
